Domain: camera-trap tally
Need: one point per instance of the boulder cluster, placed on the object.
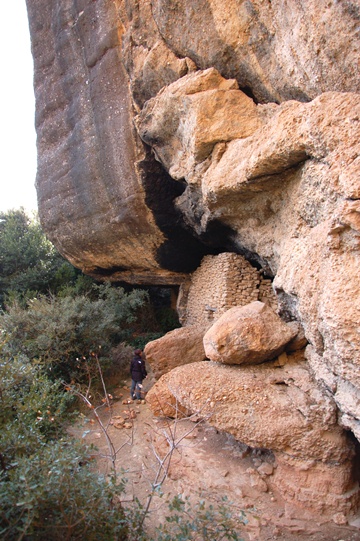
(246, 375)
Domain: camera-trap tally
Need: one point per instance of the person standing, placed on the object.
(138, 373)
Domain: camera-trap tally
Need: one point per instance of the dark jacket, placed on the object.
(137, 368)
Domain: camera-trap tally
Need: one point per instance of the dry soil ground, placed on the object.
(209, 463)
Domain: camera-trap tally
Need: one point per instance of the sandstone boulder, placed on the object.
(175, 348)
(162, 401)
(249, 334)
(277, 408)
(299, 341)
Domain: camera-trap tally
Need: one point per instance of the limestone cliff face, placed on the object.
(171, 130)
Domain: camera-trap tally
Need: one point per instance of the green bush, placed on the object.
(28, 260)
(33, 409)
(54, 494)
(48, 489)
(121, 356)
(202, 522)
(59, 332)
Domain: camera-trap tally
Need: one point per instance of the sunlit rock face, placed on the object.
(168, 131)
(249, 334)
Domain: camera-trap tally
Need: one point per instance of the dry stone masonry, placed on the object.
(220, 283)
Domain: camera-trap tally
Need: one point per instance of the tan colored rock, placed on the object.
(94, 175)
(278, 183)
(119, 423)
(187, 118)
(278, 408)
(248, 334)
(163, 403)
(175, 348)
(299, 341)
(289, 193)
(265, 469)
(322, 486)
(281, 52)
(294, 133)
(155, 68)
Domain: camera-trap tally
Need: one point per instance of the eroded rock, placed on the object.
(278, 408)
(187, 118)
(249, 334)
(175, 348)
(277, 182)
(288, 194)
(163, 403)
(280, 52)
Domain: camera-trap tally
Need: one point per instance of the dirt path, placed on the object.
(204, 462)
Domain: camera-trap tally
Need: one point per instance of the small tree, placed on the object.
(29, 263)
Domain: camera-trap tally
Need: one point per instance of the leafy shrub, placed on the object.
(28, 260)
(168, 318)
(203, 522)
(47, 487)
(54, 494)
(33, 409)
(60, 331)
(121, 356)
(139, 340)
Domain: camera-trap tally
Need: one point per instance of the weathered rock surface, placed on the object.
(175, 348)
(279, 408)
(94, 173)
(186, 119)
(162, 401)
(277, 51)
(249, 334)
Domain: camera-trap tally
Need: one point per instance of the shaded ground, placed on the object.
(208, 463)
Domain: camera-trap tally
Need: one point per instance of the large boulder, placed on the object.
(175, 348)
(247, 334)
(278, 408)
(163, 403)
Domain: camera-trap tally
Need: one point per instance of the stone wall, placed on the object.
(221, 282)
